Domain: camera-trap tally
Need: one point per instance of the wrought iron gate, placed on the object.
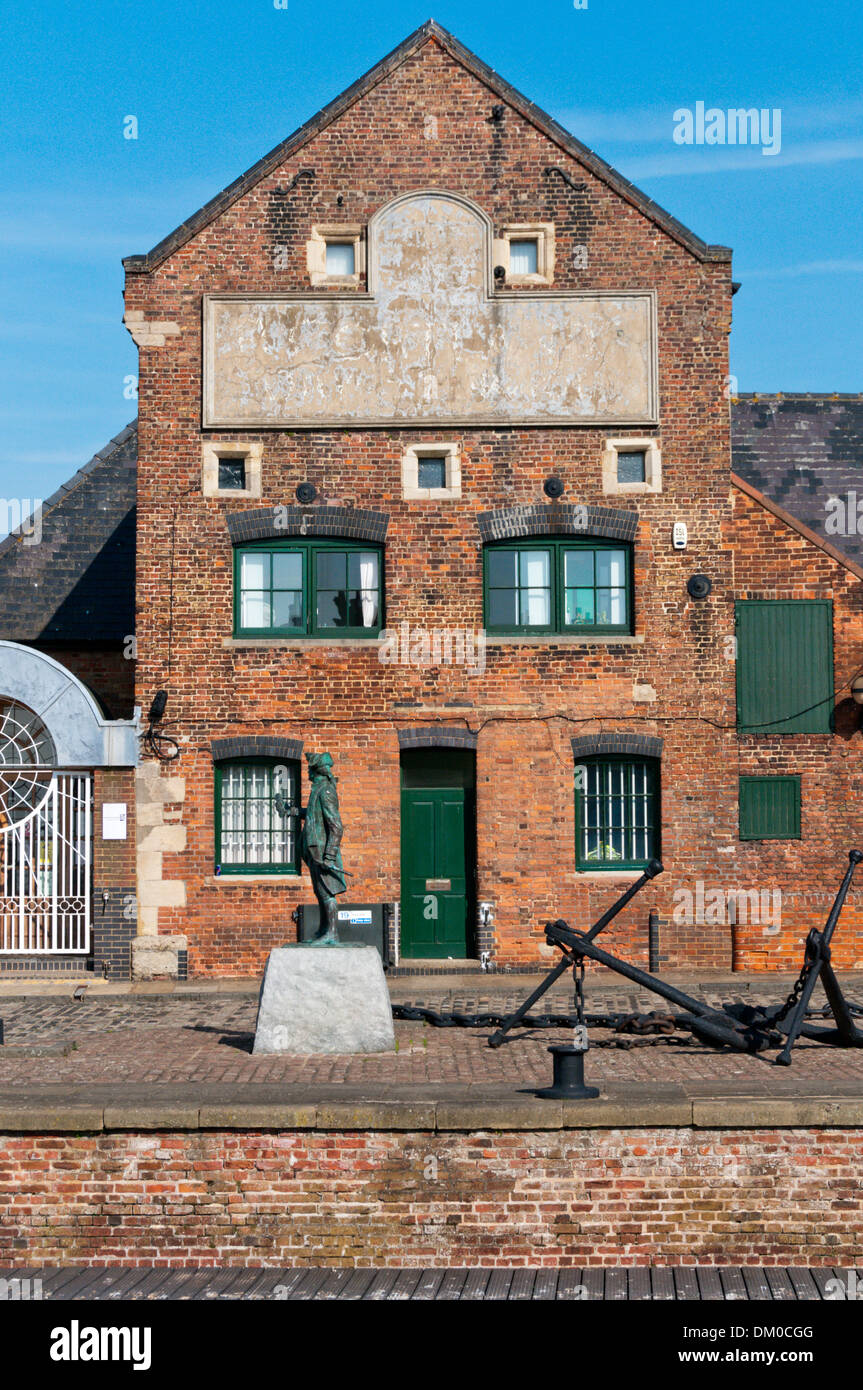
(45, 871)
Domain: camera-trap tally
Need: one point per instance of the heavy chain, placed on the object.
(578, 980)
(794, 997)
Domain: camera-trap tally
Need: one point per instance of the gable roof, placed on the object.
(78, 583)
(799, 451)
(526, 108)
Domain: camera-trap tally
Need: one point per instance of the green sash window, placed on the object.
(308, 589)
(558, 586)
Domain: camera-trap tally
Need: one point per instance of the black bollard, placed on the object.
(653, 942)
(568, 1075)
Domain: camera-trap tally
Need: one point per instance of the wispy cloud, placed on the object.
(685, 160)
(805, 268)
(89, 224)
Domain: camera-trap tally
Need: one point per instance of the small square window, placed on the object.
(340, 258)
(232, 475)
(523, 257)
(631, 466)
(431, 471)
(769, 808)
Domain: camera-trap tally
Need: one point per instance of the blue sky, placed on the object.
(217, 83)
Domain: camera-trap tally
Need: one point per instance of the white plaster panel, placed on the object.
(430, 342)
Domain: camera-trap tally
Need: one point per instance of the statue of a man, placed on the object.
(319, 843)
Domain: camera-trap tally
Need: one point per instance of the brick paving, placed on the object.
(164, 1039)
(635, 1283)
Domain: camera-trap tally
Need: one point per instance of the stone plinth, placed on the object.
(324, 999)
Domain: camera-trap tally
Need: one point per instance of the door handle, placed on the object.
(438, 885)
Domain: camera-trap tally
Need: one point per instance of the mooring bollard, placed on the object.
(653, 942)
(568, 1070)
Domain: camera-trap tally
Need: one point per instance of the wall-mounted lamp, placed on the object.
(857, 690)
(160, 745)
(157, 708)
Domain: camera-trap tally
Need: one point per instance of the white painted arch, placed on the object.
(82, 736)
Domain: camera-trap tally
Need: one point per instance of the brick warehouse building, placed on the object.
(432, 381)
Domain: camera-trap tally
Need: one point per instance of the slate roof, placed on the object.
(77, 584)
(496, 84)
(799, 451)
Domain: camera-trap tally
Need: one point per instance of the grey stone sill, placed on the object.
(609, 875)
(237, 880)
(629, 1109)
(298, 642)
(559, 639)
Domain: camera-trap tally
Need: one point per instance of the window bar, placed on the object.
(54, 888)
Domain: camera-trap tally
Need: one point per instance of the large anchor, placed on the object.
(742, 1026)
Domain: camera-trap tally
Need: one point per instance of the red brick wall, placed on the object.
(531, 699)
(772, 561)
(598, 1197)
(104, 670)
(114, 917)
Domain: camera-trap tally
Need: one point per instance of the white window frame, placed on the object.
(411, 490)
(345, 234)
(652, 466)
(251, 451)
(540, 232)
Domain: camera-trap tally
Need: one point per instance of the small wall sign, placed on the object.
(114, 820)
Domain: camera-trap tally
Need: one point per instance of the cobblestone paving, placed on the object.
(165, 1039)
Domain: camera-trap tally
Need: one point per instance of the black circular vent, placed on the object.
(553, 487)
(306, 492)
(699, 586)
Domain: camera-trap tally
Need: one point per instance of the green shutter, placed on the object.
(784, 666)
(769, 808)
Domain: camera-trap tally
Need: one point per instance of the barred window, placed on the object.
(255, 830)
(616, 813)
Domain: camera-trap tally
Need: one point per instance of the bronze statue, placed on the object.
(319, 843)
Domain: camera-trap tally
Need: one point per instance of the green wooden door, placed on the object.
(437, 826)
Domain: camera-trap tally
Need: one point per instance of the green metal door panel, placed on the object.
(769, 808)
(418, 861)
(784, 666)
(436, 826)
(450, 843)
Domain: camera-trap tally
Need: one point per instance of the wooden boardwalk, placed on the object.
(665, 1284)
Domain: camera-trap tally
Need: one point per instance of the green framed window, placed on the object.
(784, 666)
(616, 813)
(559, 585)
(308, 589)
(254, 833)
(769, 808)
